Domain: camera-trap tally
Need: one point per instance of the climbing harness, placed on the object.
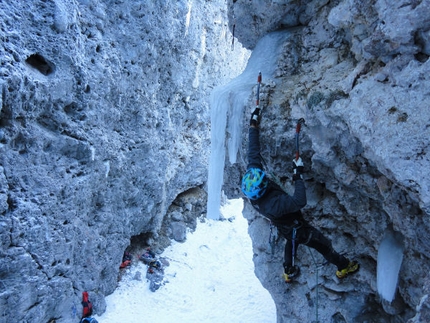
(298, 128)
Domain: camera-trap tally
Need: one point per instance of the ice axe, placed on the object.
(256, 114)
(258, 89)
(298, 128)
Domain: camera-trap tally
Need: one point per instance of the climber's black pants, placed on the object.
(312, 238)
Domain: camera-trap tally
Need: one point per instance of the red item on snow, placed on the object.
(87, 306)
(126, 260)
(125, 264)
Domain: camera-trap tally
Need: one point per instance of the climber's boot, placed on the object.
(352, 267)
(290, 273)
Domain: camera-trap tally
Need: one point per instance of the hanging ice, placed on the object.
(227, 103)
(390, 257)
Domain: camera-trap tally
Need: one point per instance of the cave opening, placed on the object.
(41, 64)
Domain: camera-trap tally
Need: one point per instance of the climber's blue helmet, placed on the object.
(254, 183)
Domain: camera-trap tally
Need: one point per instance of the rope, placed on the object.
(316, 288)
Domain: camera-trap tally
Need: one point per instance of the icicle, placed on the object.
(390, 257)
(227, 103)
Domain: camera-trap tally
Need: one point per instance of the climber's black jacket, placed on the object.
(283, 211)
(279, 207)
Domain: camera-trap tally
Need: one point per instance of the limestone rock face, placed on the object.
(104, 121)
(104, 142)
(358, 72)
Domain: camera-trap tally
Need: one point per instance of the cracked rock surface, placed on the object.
(358, 72)
(104, 129)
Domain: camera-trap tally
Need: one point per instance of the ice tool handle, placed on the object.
(258, 89)
(257, 108)
(298, 128)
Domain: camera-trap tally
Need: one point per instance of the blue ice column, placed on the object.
(390, 257)
(227, 103)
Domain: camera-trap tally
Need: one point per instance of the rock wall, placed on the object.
(358, 72)
(104, 141)
(104, 122)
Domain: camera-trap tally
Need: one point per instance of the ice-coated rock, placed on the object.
(104, 122)
(104, 136)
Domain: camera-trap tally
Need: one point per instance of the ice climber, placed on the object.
(283, 210)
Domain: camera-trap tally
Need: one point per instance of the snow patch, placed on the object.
(210, 279)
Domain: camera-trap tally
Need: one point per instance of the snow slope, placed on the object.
(210, 279)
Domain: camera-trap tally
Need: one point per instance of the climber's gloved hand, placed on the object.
(298, 168)
(255, 118)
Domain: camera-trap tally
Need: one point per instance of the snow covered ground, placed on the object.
(210, 279)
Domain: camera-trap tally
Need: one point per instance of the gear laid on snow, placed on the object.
(155, 275)
(126, 260)
(284, 210)
(148, 256)
(155, 271)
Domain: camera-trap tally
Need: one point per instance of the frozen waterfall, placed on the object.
(390, 257)
(227, 103)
